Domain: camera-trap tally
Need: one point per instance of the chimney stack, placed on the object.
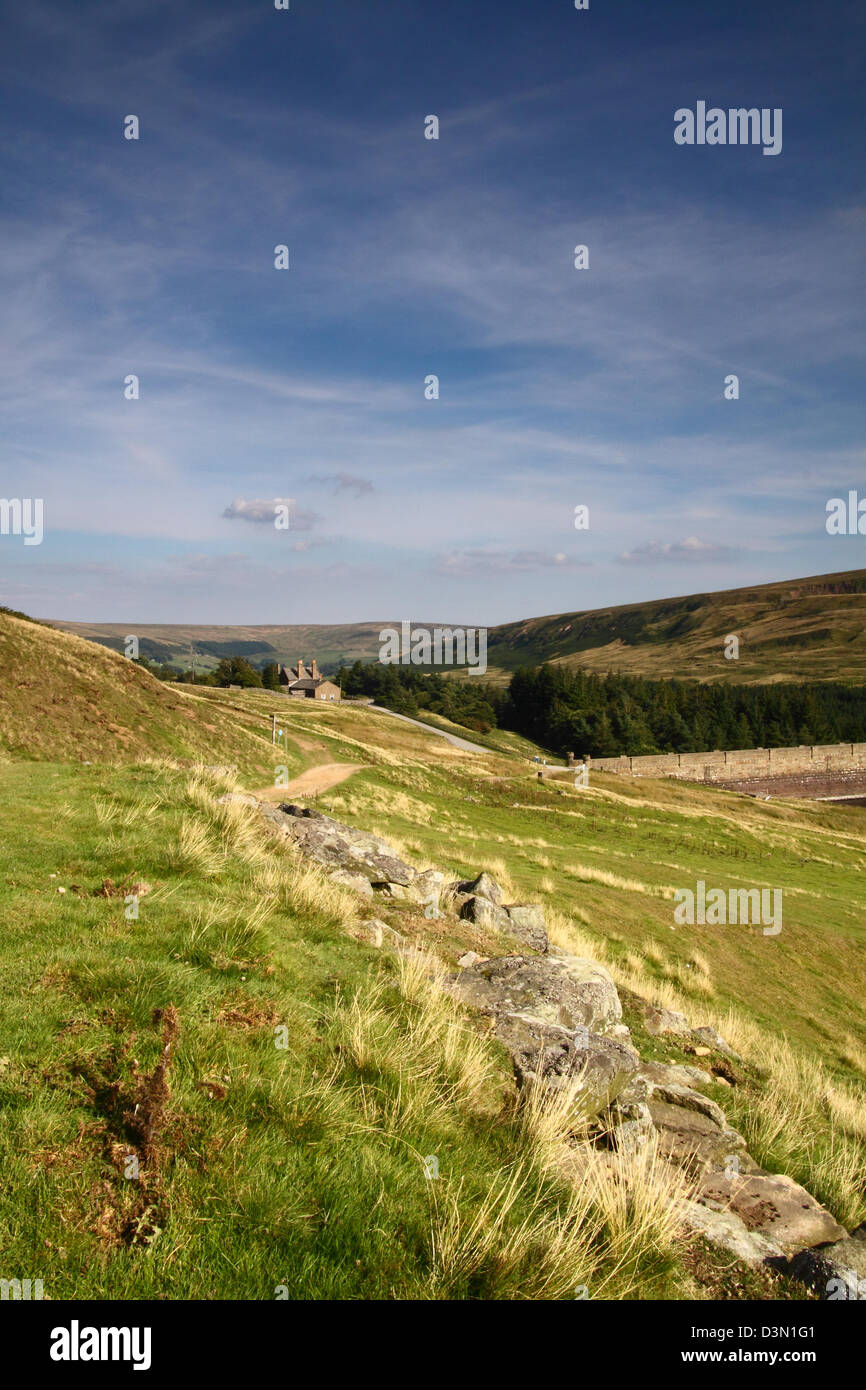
(313, 672)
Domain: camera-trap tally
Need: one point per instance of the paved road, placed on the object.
(428, 729)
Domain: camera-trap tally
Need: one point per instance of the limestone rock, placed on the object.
(547, 1054)
(562, 990)
(778, 1208)
(483, 887)
(527, 925)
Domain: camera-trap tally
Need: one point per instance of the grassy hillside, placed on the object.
(303, 1166)
(65, 699)
(799, 629)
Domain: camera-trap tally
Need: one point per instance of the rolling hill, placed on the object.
(261, 1165)
(66, 699)
(798, 629)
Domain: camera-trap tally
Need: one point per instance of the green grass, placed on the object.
(304, 1167)
(70, 700)
(259, 1167)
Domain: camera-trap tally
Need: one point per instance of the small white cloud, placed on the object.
(262, 511)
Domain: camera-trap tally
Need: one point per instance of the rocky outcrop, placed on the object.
(764, 1218)
(484, 886)
(484, 913)
(565, 991)
(594, 1068)
(527, 925)
(341, 848)
(559, 1017)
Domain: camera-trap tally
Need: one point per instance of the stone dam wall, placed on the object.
(829, 762)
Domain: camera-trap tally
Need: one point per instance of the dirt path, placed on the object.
(316, 779)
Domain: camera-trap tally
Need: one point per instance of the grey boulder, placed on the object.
(567, 991)
(594, 1068)
(342, 847)
(527, 925)
(484, 886)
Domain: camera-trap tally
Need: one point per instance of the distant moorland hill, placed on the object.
(796, 629)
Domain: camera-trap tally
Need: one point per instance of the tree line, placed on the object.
(569, 711)
(574, 711)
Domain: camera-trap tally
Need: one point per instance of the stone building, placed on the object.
(302, 684)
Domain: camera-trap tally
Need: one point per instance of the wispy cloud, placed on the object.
(690, 551)
(478, 562)
(343, 482)
(558, 387)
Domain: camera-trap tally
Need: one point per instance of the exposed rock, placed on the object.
(694, 1140)
(455, 901)
(342, 847)
(562, 990)
(674, 1094)
(775, 1207)
(660, 1073)
(836, 1271)
(632, 1128)
(542, 1053)
(485, 913)
(358, 882)
(378, 933)
(726, 1229)
(527, 925)
(637, 1091)
(428, 886)
(484, 887)
(397, 891)
(237, 799)
(470, 958)
(710, 1038)
(658, 1021)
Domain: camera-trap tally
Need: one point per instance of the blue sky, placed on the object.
(410, 257)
